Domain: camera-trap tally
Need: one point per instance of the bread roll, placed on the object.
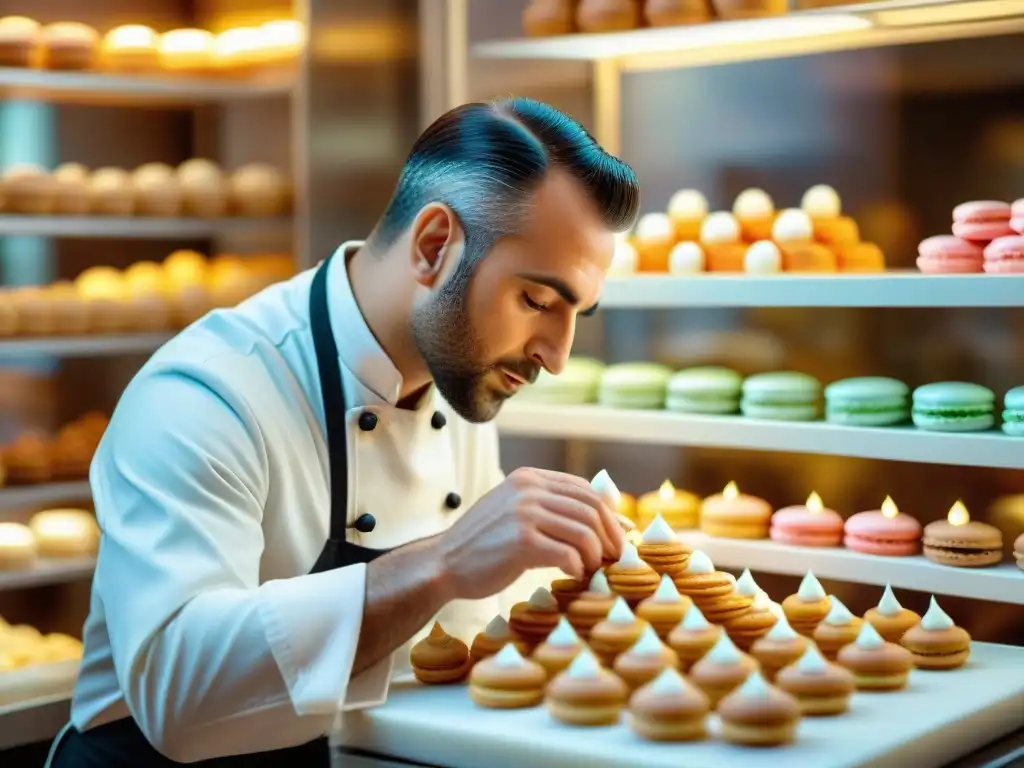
(543, 18)
(258, 189)
(145, 278)
(8, 313)
(111, 192)
(69, 311)
(18, 549)
(156, 190)
(236, 51)
(28, 459)
(131, 48)
(148, 296)
(184, 268)
(281, 42)
(71, 189)
(34, 309)
(65, 533)
(203, 188)
(187, 50)
(29, 188)
(608, 15)
(105, 294)
(19, 41)
(69, 45)
(71, 453)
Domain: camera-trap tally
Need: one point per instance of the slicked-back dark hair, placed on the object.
(485, 161)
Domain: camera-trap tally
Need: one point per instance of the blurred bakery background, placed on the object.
(164, 157)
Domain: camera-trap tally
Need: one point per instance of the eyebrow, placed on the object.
(561, 288)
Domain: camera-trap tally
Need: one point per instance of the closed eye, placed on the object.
(535, 306)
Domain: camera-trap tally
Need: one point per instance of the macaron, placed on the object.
(669, 708)
(948, 255)
(559, 649)
(722, 669)
(759, 714)
(876, 664)
(630, 577)
(867, 401)
(735, 515)
(971, 545)
(782, 395)
(644, 660)
(808, 607)
(634, 385)
(890, 619)
(1017, 216)
(883, 532)
(586, 694)
(496, 635)
(534, 619)
(575, 385)
(954, 406)
(439, 658)
(1005, 256)
(693, 637)
(710, 389)
(1013, 412)
(982, 221)
(820, 687)
(779, 648)
(807, 525)
(937, 642)
(507, 681)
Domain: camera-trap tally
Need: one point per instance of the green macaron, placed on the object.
(1013, 412)
(634, 385)
(867, 401)
(575, 385)
(954, 406)
(707, 389)
(783, 395)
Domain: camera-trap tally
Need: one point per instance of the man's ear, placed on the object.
(436, 243)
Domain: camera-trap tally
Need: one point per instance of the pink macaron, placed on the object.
(1017, 216)
(806, 528)
(875, 534)
(982, 221)
(1005, 256)
(945, 254)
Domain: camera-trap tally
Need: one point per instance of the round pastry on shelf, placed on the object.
(71, 189)
(608, 15)
(19, 41)
(754, 209)
(258, 189)
(236, 51)
(68, 45)
(28, 188)
(28, 459)
(145, 277)
(18, 549)
(544, 18)
(203, 187)
(670, 13)
(110, 192)
(62, 533)
(156, 190)
(131, 48)
(69, 313)
(187, 50)
(104, 292)
(281, 41)
(71, 453)
(230, 282)
(33, 306)
(8, 313)
(687, 208)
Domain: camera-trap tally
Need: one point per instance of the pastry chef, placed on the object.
(290, 490)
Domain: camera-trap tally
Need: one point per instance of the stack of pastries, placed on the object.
(147, 296)
(665, 637)
(196, 188)
(22, 645)
(35, 457)
(52, 534)
(753, 237)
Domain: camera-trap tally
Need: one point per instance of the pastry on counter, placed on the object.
(721, 238)
(71, 189)
(565, 591)
(665, 608)
(687, 208)
(877, 665)
(722, 669)
(693, 637)
(19, 41)
(534, 619)
(495, 636)
(187, 50)
(104, 292)
(28, 188)
(257, 190)
(586, 694)
(439, 658)
(544, 18)
(701, 582)
(28, 459)
(644, 660)
(616, 633)
(559, 648)
(591, 606)
(946, 254)
(670, 13)
(838, 628)
(953, 406)
(754, 209)
(762, 258)
(749, 626)
(781, 395)
(982, 221)
(808, 607)
(131, 48)
(110, 192)
(937, 642)
(18, 548)
(661, 549)
(890, 619)
(722, 608)
(507, 681)
(758, 714)
(631, 577)
(750, 9)
(669, 708)
(807, 525)
(734, 515)
(64, 533)
(653, 239)
(1005, 256)
(608, 15)
(204, 189)
(778, 648)
(68, 45)
(822, 688)
(156, 191)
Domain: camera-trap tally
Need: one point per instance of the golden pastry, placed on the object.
(758, 714)
(187, 50)
(591, 606)
(156, 191)
(507, 681)
(534, 619)
(71, 453)
(28, 188)
(257, 190)
(616, 633)
(670, 13)
(496, 635)
(750, 9)
(8, 313)
(439, 658)
(669, 708)
(751, 625)
(779, 648)
(937, 642)
(204, 189)
(131, 48)
(722, 669)
(754, 209)
(644, 660)
(110, 192)
(28, 459)
(687, 209)
(105, 295)
(565, 591)
(281, 42)
(237, 51)
(722, 240)
(18, 549)
(65, 533)
(69, 315)
(665, 608)
(653, 238)
(608, 15)
(876, 664)
(821, 688)
(71, 189)
(585, 694)
(559, 648)
(701, 582)
(661, 549)
(631, 577)
(68, 45)
(543, 18)
(19, 41)
(838, 628)
(808, 607)
(890, 618)
(692, 638)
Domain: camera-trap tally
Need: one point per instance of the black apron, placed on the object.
(121, 744)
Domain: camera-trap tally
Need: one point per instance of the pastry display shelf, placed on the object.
(1003, 583)
(47, 572)
(33, 721)
(904, 288)
(139, 227)
(111, 89)
(83, 346)
(826, 30)
(37, 496)
(592, 422)
(942, 716)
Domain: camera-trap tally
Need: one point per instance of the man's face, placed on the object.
(482, 341)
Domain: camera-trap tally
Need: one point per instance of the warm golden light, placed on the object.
(186, 41)
(282, 39)
(889, 509)
(958, 514)
(814, 504)
(667, 490)
(731, 491)
(132, 36)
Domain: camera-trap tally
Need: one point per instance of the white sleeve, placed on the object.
(211, 662)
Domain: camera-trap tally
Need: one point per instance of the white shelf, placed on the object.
(47, 572)
(138, 227)
(32, 496)
(591, 422)
(83, 346)
(888, 289)
(98, 88)
(33, 721)
(838, 28)
(1003, 583)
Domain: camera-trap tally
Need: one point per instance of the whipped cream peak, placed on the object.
(693, 620)
(543, 600)
(654, 226)
(686, 258)
(755, 687)
(659, 532)
(599, 584)
(648, 644)
(688, 204)
(699, 563)
(497, 628)
(822, 201)
(792, 225)
(620, 613)
(761, 601)
(810, 590)
(724, 651)
(812, 662)
(936, 619)
(668, 682)
(838, 614)
(753, 203)
(889, 606)
(868, 638)
(720, 227)
(563, 635)
(604, 487)
(781, 631)
(630, 559)
(666, 591)
(509, 657)
(745, 584)
(763, 258)
(584, 666)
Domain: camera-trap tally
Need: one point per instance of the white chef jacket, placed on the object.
(211, 486)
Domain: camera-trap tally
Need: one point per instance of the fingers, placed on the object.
(582, 511)
(545, 552)
(607, 523)
(560, 526)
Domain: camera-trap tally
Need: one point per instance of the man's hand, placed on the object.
(534, 519)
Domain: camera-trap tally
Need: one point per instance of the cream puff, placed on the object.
(439, 658)
(630, 577)
(838, 628)
(876, 665)
(665, 608)
(753, 624)
(821, 688)
(619, 630)
(890, 618)
(495, 636)
(754, 209)
(759, 714)
(808, 607)
(559, 649)
(534, 619)
(721, 238)
(591, 606)
(653, 239)
(937, 642)
(686, 258)
(608, 15)
(692, 638)
(700, 581)
(669, 708)
(62, 533)
(687, 209)
(586, 694)
(762, 258)
(642, 662)
(661, 549)
(507, 681)
(779, 648)
(68, 45)
(722, 670)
